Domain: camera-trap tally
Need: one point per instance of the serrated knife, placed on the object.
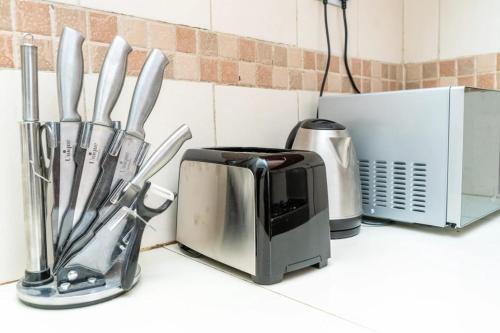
(130, 146)
(69, 87)
(97, 136)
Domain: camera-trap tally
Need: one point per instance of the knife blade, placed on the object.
(98, 135)
(123, 196)
(69, 86)
(131, 147)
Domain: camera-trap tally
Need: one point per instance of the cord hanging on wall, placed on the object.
(346, 61)
(346, 39)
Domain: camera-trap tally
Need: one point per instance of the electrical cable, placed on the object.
(346, 38)
(327, 67)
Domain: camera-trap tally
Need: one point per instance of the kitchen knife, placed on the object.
(131, 146)
(97, 137)
(69, 86)
(146, 93)
(94, 249)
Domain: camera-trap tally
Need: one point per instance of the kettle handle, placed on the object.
(293, 134)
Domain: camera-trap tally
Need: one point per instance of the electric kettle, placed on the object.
(333, 143)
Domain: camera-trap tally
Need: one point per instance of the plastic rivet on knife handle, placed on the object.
(111, 81)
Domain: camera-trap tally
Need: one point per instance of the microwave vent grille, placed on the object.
(395, 185)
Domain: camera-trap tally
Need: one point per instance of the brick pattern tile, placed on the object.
(247, 49)
(33, 17)
(280, 56)
(280, 77)
(208, 69)
(45, 54)
(295, 79)
(264, 76)
(136, 59)
(208, 43)
(73, 18)
(194, 54)
(430, 70)
(186, 39)
(133, 30)
(186, 67)
(103, 27)
(247, 73)
(6, 55)
(466, 66)
(228, 46)
(294, 56)
(264, 53)
(162, 36)
(309, 60)
(97, 52)
(228, 72)
(5, 19)
(447, 68)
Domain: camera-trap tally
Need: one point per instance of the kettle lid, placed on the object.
(322, 124)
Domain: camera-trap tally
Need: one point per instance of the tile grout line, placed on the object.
(274, 292)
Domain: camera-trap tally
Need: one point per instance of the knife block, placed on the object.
(73, 285)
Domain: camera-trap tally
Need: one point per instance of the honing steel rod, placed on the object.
(37, 268)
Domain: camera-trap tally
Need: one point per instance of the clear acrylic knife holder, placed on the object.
(99, 271)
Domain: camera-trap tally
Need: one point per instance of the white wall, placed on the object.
(448, 29)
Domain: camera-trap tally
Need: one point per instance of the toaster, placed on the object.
(262, 211)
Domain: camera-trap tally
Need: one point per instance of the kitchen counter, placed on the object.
(396, 278)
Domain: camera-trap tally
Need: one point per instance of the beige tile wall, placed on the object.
(195, 54)
(481, 71)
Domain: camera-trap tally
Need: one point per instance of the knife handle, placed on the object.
(146, 92)
(162, 155)
(111, 79)
(69, 74)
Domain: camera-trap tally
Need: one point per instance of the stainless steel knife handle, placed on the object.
(29, 73)
(146, 92)
(69, 74)
(111, 80)
(162, 155)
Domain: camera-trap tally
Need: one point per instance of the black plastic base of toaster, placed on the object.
(301, 247)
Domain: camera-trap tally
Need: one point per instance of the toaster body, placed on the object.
(261, 211)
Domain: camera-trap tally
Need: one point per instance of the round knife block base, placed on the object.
(47, 296)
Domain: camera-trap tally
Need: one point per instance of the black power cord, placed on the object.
(346, 61)
(327, 68)
(346, 38)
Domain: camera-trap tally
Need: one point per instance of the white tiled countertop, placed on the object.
(397, 278)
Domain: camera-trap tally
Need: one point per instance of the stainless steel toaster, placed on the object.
(261, 211)
(428, 156)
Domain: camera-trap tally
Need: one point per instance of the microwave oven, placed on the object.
(427, 156)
